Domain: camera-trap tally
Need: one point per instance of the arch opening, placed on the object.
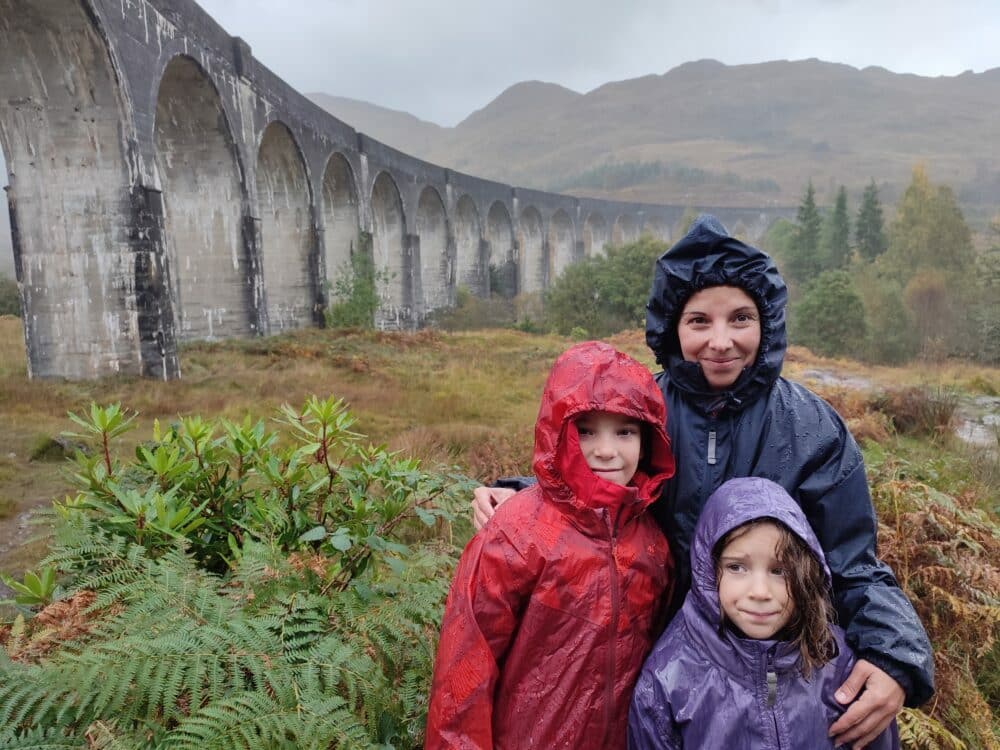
(657, 228)
(286, 230)
(341, 219)
(595, 235)
(203, 207)
(625, 230)
(471, 252)
(529, 240)
(63, 132)
(437, 270)
(561, 245)
(504, 274)
(388, 251)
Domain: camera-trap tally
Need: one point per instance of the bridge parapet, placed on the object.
(165, 185)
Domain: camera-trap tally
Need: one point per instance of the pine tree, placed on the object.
(838, 237)
(870, 230)
(804, 261)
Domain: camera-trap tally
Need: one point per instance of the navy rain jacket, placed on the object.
(707, 686)
(766, 426)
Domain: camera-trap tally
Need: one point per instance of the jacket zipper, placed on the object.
(771, 678)
(711, 447)
(612, 632)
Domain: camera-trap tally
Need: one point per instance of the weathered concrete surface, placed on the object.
(6, 249)
(165, 185)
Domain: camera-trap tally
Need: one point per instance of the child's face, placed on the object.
(611, 444)
(752, 588)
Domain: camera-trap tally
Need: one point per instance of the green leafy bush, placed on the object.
(605, 294)
(829, 317)
(244, 588)
(355, 292)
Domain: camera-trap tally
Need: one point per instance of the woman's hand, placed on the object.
(873, 711)
(485, 501)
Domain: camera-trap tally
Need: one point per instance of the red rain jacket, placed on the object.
(555, 602)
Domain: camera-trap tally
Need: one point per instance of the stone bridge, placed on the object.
(164, 186)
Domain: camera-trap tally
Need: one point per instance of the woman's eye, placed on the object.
(778, 571)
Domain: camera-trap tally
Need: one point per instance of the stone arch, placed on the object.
(437, 270)
(561, 245)
(285, 230)
(65, 133)
(657, 228)
(199, 175)
(595, 235)
(502, 252)
(624, 230)
(471, 253)
(341, 219)
(388, 251)
(530, 242)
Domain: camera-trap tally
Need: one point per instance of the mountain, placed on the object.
(705, 133)
(400, 130)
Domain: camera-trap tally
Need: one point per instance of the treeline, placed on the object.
(888, 292)
(616, 175)
(881, 291)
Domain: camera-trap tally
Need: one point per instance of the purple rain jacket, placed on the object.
(703, 690)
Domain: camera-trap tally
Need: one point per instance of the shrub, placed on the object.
(829, 317)
(605, 294)
(355, 292)
(233, 586)
(927, 412)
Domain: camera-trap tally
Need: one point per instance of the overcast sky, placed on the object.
(443, 59)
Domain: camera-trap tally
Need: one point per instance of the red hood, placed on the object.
(594, 376)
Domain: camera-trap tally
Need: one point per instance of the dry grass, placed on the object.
(470, 399)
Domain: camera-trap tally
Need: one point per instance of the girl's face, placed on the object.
(719, 329)
(611, 444)
(753, 591)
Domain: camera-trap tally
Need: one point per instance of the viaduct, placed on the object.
(165, 186)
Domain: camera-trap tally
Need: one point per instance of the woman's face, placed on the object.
(719, 329)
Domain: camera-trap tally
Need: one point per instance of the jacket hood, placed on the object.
(594, 376)
(735, 503)
(708, 256)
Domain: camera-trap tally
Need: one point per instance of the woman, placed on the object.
(716, 323)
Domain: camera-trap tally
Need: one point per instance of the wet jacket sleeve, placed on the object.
(484, 606)
(881, 624)
(650, 718)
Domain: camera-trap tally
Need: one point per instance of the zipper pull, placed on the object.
(772, 688)
(711, 447)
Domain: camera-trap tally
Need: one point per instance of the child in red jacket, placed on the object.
(554, 603)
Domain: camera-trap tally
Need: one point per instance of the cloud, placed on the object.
(442, 59)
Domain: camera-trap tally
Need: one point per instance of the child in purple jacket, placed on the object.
(752, 660)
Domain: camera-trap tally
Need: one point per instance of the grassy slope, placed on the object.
(470, 399)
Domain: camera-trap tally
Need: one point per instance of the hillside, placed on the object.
(709, 133)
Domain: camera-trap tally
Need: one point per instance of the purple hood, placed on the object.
(700, 688)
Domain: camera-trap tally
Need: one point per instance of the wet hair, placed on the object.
(809, 627)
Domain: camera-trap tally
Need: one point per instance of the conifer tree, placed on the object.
(804, 261)
(838, 249)
(869, 234)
